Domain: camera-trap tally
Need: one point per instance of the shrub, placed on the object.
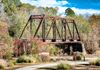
(24, 59)
(52, 49)
(92, 62)
(36, 58)
(78, 56)
(6, 47)
(89, 46)
(2, 66)
(14, 62)
(8, 55)
(11, 63)
(64, 67)
(45, 57)
(96, 62)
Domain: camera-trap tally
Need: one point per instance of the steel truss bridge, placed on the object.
(53, 29)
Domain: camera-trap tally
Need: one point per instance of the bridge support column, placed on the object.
(43, 31)
(54, 30)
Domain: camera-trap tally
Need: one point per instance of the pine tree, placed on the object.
(69, 12)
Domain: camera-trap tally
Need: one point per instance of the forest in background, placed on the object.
(14, 15)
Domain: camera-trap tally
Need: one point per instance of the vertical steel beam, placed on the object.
(54, 30)
(77, 30)
(62, 31)
(73, 31)
(43, 30)
(64, 25)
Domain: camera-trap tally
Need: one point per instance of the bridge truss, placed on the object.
(53, 29)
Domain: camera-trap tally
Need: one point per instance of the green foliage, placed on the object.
(64, 67)
(17, 24)
(69, 12)
(17, 2)
(52, 49)
(14, 30)
(25, 59)
(12, 62)
(10, 6)
(19, 13)
(27, 6)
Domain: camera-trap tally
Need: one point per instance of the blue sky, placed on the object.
(79, 6)
(84, 4)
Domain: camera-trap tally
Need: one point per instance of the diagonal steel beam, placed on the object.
(25, 27)
(39, 26)
(31, 26)
(48, 31)
(68, 29)
(58, 31)
(76, 30)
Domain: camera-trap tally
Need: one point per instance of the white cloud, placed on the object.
(25, 1)
(59, 4)
(85, 11)
(63, 2)
(45, 3)
(61, 9)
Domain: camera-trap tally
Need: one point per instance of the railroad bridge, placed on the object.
(60, 31)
